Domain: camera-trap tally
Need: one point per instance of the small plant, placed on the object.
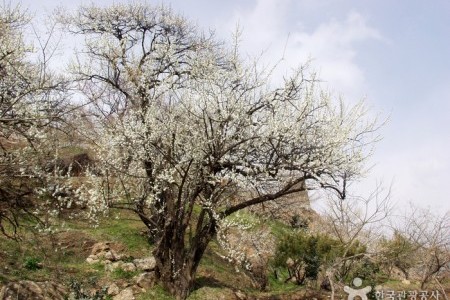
(120, 273)
(128, 259)
(298, 222)
(32, 263)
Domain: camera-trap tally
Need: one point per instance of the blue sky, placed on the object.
(395, 54)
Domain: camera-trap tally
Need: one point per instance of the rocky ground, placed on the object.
(80, 261)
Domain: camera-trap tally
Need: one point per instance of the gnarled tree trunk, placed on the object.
(177, 261)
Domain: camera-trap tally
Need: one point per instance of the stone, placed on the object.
(146, 280)
(128, 267)
(101, 247)
(145, 264)
(126, 294)
(112, 266)
(240, 295)
(26, 289)
(94, 256)
(92, 259)
(111, 255)
(103, 252)
(113, 290)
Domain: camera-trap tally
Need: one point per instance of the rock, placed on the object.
(111, 255)
(123, 284)
(106, 262)
(92, 259)
(113, 290)
(112, 266)
(94, 256)
(101, 247)
(126, 294)
(26, 289)
(104, 250)
(146, 280)
(128, 267)
(145, 264)
(240, 295)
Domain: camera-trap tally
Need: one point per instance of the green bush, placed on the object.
(298, 222)
(32, 263)
(302, 256)
(398, 252)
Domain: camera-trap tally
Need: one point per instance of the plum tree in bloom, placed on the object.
(32, 100)
(188, 133)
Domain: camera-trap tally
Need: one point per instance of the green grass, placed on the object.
(278, 286)
(157, 292)
(279, 229)
(19, 260)
(120, 273)
(121, 227)
(211, 293)
(63, 258)
(212, 263)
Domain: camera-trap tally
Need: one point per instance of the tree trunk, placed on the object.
(330, 276)
(179, 284)
(175, 271)
(177, 263)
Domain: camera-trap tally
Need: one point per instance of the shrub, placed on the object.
(32, 263)
(398, 252)
(298, 222)
(301, 255)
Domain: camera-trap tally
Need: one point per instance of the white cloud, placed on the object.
(270, 27)
(333, 46)
(263, 25)
(419, 174)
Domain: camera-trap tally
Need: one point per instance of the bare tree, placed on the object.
(356, 221)
(429, 234)
(188, 133)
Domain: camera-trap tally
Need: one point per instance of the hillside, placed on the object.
(61, 256)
